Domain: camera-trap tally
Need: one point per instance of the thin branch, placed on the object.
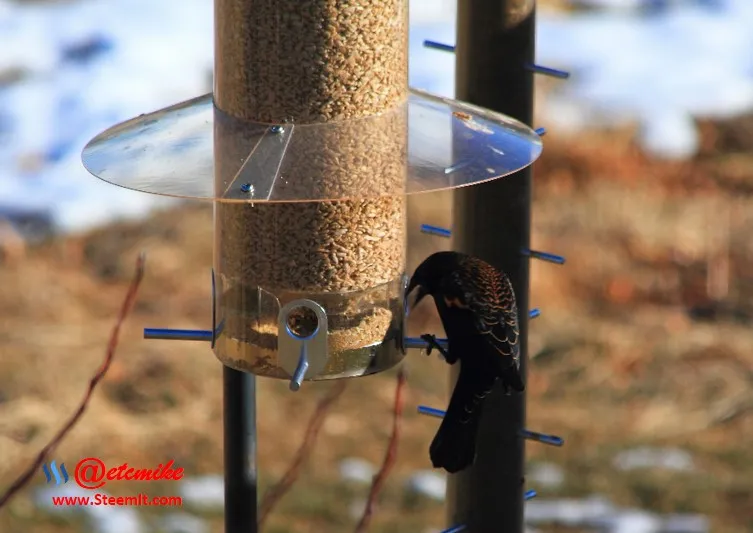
(389, 458)
(276, 492)
(24, 478)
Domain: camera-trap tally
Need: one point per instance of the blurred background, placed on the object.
(642, 358)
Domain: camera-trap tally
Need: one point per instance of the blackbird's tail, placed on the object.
(454, 445)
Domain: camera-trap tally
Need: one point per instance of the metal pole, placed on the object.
(495, 42)
(239, 417)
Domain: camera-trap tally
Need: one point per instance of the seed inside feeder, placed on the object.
(302, 322)
(328, 65)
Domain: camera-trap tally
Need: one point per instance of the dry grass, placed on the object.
(617, 359)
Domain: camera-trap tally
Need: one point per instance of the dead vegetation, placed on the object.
(645, 338)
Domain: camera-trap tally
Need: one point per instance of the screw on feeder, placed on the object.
(530, 494)
(456, 167)
(247, 188)
(547, 71)
(540, 131)
(277, 129)
(439, 46)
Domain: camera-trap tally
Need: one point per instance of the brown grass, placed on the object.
(616, 359)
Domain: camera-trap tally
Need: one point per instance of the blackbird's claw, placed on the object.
(432, 343)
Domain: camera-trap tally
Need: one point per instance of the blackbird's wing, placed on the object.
(487, 294)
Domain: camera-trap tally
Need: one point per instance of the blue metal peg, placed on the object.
(439, 46)
(435, 230)
(300, 371)
(206, 334)
(551, 440)
(178, 334)
(430, 411)
(418, 342)
(530, 494)
(540, 131)
(455, 529)
(544, 256)
(447, 233)
(553, 72)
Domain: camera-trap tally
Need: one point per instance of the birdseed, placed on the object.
(307, 61)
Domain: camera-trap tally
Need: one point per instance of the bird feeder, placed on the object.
(308, 148)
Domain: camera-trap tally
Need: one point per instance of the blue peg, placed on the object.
(178, 334)
(435, 230)
(439, 46)
(455, 529)
(551, 440)
(544, 256)
(553, 72)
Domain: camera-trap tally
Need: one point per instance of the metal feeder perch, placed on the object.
(307, 147)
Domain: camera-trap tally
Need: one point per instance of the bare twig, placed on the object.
(24, 478)
(389, 458)
(275, 493)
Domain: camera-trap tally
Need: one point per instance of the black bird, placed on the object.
(476, 304)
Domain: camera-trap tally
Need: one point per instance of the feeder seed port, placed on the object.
(305, 324)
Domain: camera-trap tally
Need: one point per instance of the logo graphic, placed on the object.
(54, 469)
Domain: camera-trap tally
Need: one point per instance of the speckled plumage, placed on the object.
(477, 306)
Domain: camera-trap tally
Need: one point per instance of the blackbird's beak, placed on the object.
(419, 295)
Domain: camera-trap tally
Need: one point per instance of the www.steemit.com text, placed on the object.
(139, 500)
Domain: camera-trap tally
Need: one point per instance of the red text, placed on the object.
(92, 474)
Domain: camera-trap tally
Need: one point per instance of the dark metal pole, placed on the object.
(495, 42)
(239, 408)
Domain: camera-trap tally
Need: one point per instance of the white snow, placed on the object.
(661, 67)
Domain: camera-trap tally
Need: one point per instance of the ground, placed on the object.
(644, 338)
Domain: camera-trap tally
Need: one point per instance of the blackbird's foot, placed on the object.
(432, 343)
